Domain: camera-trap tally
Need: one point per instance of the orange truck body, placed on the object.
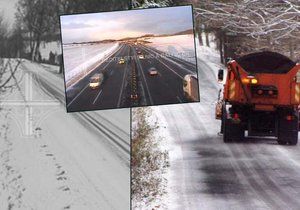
(261, 96)
(287, 86)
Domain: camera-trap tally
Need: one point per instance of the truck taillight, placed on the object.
(260, 92)
(264, 91)
(271, 92)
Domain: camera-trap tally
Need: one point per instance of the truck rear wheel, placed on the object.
(288, 129)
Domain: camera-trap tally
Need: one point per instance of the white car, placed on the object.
(96, 80)
(153, 71)
(141, 57)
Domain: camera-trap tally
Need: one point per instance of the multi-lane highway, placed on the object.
(116, 90)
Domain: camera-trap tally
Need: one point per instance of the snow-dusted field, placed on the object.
(53, 160)
(80, 59)
(181, 46)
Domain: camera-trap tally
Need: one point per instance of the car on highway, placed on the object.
(121, 61)
(96, 80)
(153, 71)
(141, 57)
(134, 96)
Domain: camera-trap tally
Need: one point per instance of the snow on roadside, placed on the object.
(209, 55)
(79, 60)
(150, 162)
(55, 168)
(180, 46)
(166, 142)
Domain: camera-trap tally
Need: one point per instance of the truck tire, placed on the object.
(288, 131)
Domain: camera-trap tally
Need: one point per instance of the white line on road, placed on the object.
(138, 62)
(77, 95)
(97, 96)
(122, 86)
(165, 65)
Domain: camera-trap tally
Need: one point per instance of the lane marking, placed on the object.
(139, 64)
(117, 53)
(97, 66)
(170, 60)
(166, 66)
(77, 95)
(97, 96)
(122, 86)
(185, 62)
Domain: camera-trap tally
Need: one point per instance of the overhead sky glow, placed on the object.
(122, 24)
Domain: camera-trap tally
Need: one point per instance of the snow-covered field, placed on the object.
(46, 48)
(53, 160)
(180, 46)
(80, 59)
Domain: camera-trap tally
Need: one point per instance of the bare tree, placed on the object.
(37, 19)
(8, 68)
(269, 24)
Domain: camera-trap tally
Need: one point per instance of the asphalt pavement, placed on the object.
(115, 92)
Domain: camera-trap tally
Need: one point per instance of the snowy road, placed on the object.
(54, 160)
(205, 173)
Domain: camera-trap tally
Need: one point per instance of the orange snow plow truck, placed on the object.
(261, 95)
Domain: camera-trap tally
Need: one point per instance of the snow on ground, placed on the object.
(206, 56)
(80, 59)
(209, 55)
(180, 46)
(49, 160)
(46, 48)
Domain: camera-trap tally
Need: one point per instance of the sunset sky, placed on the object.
(117, 25)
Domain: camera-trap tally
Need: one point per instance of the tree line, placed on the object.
(243, 26)
(37, 21)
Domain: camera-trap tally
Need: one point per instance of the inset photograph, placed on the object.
(129, 58)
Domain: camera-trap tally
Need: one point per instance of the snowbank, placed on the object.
(79, 60)
(210, 56)
(180, 46)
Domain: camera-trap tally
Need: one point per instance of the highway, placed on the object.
(206, 173)
(116, 90)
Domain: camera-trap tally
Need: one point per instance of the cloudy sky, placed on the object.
(117, 25)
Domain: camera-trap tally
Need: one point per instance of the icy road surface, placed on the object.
(54, 160)
(206, 173)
